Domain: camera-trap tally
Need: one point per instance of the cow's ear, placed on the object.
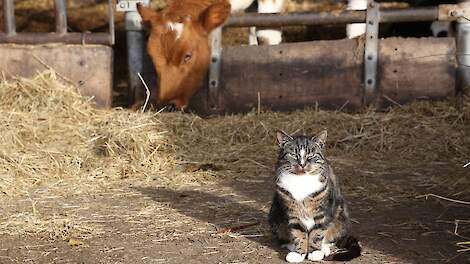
(215, 15)
(148, 14)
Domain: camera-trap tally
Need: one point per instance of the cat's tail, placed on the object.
(348, 249)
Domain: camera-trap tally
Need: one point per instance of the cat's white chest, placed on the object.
(300, 186)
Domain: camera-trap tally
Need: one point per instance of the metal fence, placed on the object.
(345, 17)
(61, 35)
(372, 17)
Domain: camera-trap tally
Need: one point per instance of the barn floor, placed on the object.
(146, 223)
(81, 185)
(82, 189)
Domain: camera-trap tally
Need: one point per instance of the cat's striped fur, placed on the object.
(308, 211)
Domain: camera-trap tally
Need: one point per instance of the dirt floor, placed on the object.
(143, 222)
(81, 185)
(106, 195)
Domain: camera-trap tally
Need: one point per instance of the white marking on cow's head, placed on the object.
(178, 28)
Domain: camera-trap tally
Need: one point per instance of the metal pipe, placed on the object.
(135, 54)
(135, 64)
(409, 15)
(69, 38)
(345, 17)
(60, 16)
(277, 20)
(463, 52)
(111, 21)
(9, 17)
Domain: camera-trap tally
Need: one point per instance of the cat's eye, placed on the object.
(312, 156)
(290, 155)
(317, 158)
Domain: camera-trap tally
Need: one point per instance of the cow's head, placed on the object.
(178, 46)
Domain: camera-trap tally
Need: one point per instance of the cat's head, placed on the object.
(301, 154)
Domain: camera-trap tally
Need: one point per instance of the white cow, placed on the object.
(274, 37)
(356, 29)
(438, 28)
(266, 36)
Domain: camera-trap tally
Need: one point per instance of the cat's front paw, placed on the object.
(289, 246)
(325, 248)
(316, 255)
(294, 257)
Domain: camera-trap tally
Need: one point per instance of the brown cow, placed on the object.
(179, 45)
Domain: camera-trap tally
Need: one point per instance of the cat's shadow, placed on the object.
(200, 205)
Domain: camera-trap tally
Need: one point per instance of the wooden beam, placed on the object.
(89, 67)
(329, 73)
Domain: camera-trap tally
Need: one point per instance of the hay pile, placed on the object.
(54, 143)
(51, 135)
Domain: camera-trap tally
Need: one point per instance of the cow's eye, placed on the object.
(188, 56)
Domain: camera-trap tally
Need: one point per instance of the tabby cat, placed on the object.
(308, 212)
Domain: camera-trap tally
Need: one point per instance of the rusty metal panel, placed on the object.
(415, 68)
(329, 73)
(88, 67)
(292, 76)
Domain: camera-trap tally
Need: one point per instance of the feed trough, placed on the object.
(82, 59)
(332, 74)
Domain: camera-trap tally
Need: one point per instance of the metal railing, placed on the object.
(61, 35)
(372, 17)
(345, 17)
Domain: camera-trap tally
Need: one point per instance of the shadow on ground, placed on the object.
(219, 209)
(399, 230)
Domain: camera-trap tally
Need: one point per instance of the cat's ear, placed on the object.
(321, 138)
(282, 137)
